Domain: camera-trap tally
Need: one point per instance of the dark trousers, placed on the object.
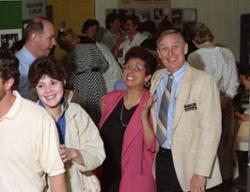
(166, 178)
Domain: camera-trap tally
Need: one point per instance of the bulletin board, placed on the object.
(10, 14)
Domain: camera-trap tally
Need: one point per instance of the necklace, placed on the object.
(125, 124)
(121, 117)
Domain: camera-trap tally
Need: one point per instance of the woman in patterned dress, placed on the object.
(86, 66)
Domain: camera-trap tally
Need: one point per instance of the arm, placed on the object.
(198, 183)
(58, 183)
(147, 127)
(100, 58)
(116, 49)
(230, 80)
(210, 130)
(242, 117)
(89, 153)
(48, 152)
(70, 154)
(230, 76)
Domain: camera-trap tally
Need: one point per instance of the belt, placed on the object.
(96, 69)
(165, 151)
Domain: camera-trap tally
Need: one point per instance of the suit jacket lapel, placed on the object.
(154, 84)
(183, 95)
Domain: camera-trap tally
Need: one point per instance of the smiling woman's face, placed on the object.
(50, 91)
(134, 73)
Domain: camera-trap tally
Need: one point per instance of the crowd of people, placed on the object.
(131, 111)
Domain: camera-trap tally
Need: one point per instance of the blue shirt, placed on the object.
(25, 60)
(61, 122)
(178, 76)
(120, 85)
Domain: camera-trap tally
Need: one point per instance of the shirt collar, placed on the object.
(177, 74)
(14, 109)
(28, 54)
(64, 105)
(180, 72)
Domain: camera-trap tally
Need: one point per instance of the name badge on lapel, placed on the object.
(190, 107)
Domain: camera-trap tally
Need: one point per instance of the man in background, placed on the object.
(133, 38)
(39, 41)
(113, 36)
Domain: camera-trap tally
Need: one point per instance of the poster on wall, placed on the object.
(32, 8)
(190, 15)
(177, 17)
(9, 36)
(156, 14)
(143, 14)
(122, 12)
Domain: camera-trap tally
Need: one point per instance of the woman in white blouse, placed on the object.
(81, 146)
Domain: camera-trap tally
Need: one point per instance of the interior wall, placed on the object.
(101, 6)
(13, 20)
(222, 17)
(74, 13)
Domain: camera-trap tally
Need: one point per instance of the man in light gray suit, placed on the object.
(187, 123)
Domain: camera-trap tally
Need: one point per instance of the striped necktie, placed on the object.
(163, 112)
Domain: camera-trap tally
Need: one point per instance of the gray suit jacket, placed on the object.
(196, 127)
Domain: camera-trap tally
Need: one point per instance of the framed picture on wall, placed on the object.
(142, 0)
(158, 14)
(190, 15)
(177, 16)
(9, 36)
(143, 14)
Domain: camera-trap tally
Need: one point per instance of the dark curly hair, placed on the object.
(89, 23)
(46, 66)
(134, 19)
(143, 54)
(9, 67)
(110, 18)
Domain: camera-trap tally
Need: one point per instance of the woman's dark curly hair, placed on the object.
(150, 62)
(9, 67)
(46, 66)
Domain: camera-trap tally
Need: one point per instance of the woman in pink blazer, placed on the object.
(126, 130)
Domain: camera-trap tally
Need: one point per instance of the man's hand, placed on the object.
(197, 183)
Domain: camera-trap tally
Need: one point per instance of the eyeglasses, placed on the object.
(135, 67)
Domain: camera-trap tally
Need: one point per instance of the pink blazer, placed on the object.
(137, 157)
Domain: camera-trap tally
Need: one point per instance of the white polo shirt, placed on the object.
(28, 147)
(127, 44)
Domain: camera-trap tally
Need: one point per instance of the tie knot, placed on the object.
(170, 81)
(170, 75)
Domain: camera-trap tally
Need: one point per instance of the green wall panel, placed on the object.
(10, 14)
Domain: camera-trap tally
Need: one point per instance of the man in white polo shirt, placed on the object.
(28, 139)
(133, 38)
